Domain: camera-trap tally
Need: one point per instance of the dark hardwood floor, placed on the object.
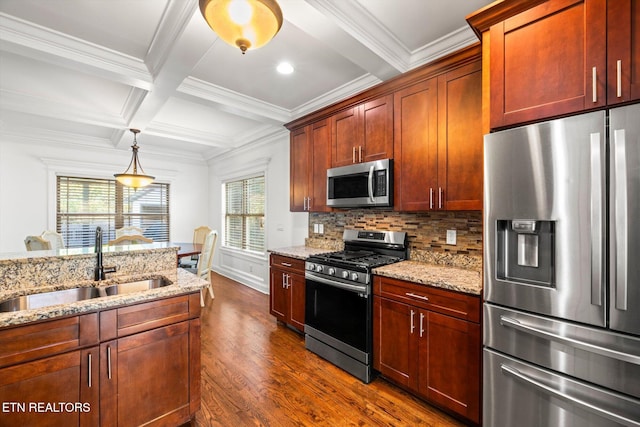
(257, 372)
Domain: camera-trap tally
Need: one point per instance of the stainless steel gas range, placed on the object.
(339, 300)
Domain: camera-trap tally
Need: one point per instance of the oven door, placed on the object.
(338, 314)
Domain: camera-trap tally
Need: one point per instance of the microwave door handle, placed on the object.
(371, 184)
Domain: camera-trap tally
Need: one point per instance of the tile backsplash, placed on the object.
(426, 232)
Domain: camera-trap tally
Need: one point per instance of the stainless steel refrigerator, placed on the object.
(562, 272)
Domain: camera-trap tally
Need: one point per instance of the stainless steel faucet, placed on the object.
(100, 271)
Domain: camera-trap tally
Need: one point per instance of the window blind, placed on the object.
(244, 214)
(85, 203)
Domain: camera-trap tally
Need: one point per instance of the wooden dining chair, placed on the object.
(36, 243)
(206, 261)
(132, 239)
(54, 238)
(199, 236)
(129, 231)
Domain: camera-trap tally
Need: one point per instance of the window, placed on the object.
(85, 203)
(244, 214)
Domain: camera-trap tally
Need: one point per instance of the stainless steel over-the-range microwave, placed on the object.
(361, 185)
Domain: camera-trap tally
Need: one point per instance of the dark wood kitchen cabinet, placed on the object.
(287, 290)
(310, 158)
(153, 347)
(46, 367)
(438, 142)
(363, 133)
(151, 350)
(428, 340)
(560, 57)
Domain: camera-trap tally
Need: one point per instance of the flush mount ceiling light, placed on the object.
(247, 24)
(131, 177)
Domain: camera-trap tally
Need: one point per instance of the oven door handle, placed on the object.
(363, 290)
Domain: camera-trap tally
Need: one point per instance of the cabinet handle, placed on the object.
(109, 361)
(422, 297)
(594, 84)
(619, 78)
(284, 278)
(439, 197)
(421, 324)
(430, 198)
(412, 325)
(304, 204)
(360, 153)
(286, 264)
(308, 203)
(89, 370)
(353, 155)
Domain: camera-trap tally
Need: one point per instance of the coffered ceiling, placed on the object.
(84, 71)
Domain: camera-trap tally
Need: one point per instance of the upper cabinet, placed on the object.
(310, 159)
(363, 133)
(438, 142)
(559, 57)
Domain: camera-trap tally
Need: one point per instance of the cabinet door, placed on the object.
(296, 296)
(299, 169)
(449, 354)
(623, 51)
(460, 139)
(149, 378)
(415, 146)
(377, 118)
(394, 344)
(36, 390)
(278, 295)
(320, 160)
(346, 136)
(547, 61)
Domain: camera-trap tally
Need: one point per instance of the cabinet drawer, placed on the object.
(286, 263)
(136, 318)
(25, 343)
(443, 301)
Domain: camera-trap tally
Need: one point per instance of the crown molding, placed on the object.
(174, 21)
(31, 40)
(444, 46)
(277, 135)
(234, 102)
(29, 104)
(181, 133)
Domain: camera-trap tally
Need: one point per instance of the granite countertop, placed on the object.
(452, 278)
(183, 282)
(299, 252)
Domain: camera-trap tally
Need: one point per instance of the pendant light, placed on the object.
(131, 177)
(247, 24)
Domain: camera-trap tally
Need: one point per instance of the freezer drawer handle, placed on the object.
(593, 348)
(586, 405)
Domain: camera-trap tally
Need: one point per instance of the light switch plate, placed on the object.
(451, 237)
(321, 228)
(316, 228)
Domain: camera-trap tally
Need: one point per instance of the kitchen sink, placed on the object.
(46, 299)
(129, 287)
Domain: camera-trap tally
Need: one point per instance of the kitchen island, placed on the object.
(124, 359)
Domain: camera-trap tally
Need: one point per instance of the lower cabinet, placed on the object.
(428, 340)
(141, 366)
(287, 290)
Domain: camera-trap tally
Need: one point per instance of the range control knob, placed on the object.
(319, 268)
(332, 271)
(345, 274)
(354, 276)
(311, 266)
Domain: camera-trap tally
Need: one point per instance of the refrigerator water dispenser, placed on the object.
(526, 251)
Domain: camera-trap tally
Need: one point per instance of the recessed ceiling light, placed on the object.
(285, 68)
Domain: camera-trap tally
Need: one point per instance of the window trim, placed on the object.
(255, 168)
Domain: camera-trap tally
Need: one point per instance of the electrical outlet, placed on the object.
(451, 237)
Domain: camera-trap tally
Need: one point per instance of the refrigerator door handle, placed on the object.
(573, 342)
(563, 395)
(619, 172)
(597, 231)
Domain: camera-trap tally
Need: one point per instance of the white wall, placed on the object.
(27, 185)
(283, 228)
